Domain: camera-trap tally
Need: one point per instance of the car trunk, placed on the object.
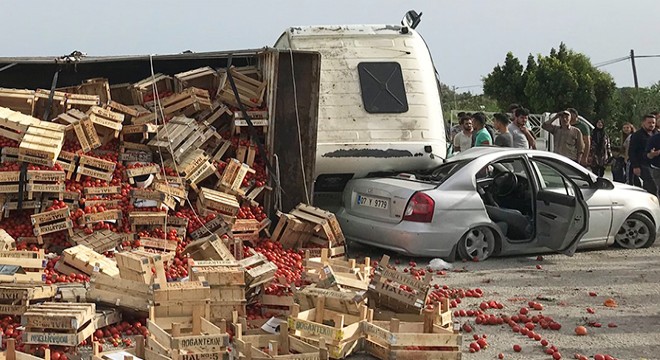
(382, 199)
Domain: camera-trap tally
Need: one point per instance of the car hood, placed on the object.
(395, 191)
(621, 186)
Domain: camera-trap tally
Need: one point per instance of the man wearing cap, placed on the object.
(567, 139)
(586, 134)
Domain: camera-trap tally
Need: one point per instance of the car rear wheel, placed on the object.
(478, 243)
(636, 232)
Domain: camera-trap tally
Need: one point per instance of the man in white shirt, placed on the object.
(522, 137)
(463, 140)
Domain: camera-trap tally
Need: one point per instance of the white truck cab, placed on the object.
(379, 102)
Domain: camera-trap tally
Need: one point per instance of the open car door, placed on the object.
(562, 214)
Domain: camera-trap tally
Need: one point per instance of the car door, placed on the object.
(562, 215)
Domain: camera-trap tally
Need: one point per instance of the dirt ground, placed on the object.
(631, 277)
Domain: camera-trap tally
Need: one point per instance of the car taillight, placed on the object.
(420, 208)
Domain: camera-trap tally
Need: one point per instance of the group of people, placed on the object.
(636, 161)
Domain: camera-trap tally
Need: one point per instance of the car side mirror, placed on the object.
(604, 184)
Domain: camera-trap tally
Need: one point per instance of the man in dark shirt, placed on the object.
(639, 160)
(653, 154)
(501, 122)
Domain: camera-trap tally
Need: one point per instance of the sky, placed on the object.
(467, 38)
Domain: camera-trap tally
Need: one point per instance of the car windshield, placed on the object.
(444, 171)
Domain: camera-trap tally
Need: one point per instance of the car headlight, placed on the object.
(654, 199)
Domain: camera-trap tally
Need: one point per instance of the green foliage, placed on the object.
(549, 83)
(630, 105)
(453, 100)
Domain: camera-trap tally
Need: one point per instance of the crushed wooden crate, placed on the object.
(385, 291)
(344, 272)
(171, 189)
(146, 198)
(216, 226)
(51, 221)
(197, 339)
(341, 338)
(161, 245)
(41, 144)
(343, 301)
(188, 102)
(208, 248)
(233, 177)
(140, 266)
(147, 218)
(217, 201)
(141, 171)
(15, 298)
(180, 136)
(258, 270)
(58, 323)
(325, 277)
(227, 281)
(82, 259)
(106, 317)
(310, 228)
(134, 152)
(216, 147)
(424, 339)
(126, 294)
(7, 243)
(96, 86)
(249, 229)
(14, 124)
(276, 346)
(143, 90)
(145, 131)
(196, 167)
(41, 101)
(202, 78)
(19, 100)
(83, 128)
(45, 181)
(214, 114)
(250, 91)
(107, 122)
(95, 167)
(71, 292)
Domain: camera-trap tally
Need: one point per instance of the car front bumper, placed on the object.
(406, 237)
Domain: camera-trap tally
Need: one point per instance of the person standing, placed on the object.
(501, 123)
(481, 135)
(626, 131)
(639, 162)
(522, 137)
(463, 139)
(601, 151)
(586, 134)
(567, 139)
(653, 154)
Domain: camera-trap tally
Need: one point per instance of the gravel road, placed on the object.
(631, 277)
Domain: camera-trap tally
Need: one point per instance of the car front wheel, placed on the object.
(638, 231)
(478, 243)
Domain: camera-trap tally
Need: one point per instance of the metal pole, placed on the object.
(634, 68)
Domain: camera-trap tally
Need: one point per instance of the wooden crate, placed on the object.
(259, 120)
(51, 221)
(106, 317)
(22, 266)
(233, 176)
(68, 161)
(208, 248)
(149, 219)
(277, 346)
(396, 339)
(108, 123)
(187, 102)
(45, 181)
(258, 270)
(177, 191)
(15, 298)
(141, 171)
(325, 277)
(227, 281)
(88, 261)
(41, 144)
(306, 224)
(139, 196)
(14, 124)
(126, 294)
(178, 299)
(9, 182)
(129, 111)
(196, 167)
(162, 245)
(362, 270)
(143, 90)
(83, 128)
(202, 78)
(140, 132)
(180, 136)
(100, 241)
(196, 339)
(135, 152)
(96, 86)
(9, 154)
(217, 201)
(10, 203)
(385, 293)
(58, 323)
(112, 215)
(249, 89)
(343, 301)
(249, 229)
(341, 338)
(218, 226)
(216, 113)
(41, 102)
(7, 243)
(70, 198)
(95, 167)
(17, 100)
(137, 266)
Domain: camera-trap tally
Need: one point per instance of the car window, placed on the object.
(383, 89)
(444, 171)
(551, 180)
(581, 179)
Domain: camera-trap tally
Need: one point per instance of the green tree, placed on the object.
(629, 105)
(505, 83)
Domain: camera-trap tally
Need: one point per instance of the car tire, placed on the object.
(638, 231)
(477, 244)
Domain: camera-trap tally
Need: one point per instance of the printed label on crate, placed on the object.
(401, 278)
(155, 243)
(210, 265)
(50, 338)
(94, 173)
(144, 170)
(48, 188)
(201, 356)
(316, 329)
(170, 190)
(102, 190)
(378, 332)
(12, 310)
(148, 219)
(398, 294)
(203, 341)
(97, 163)
(41, 230)
(44, 175)
(135, 156)
(103, 216)
(49, 216)
(255, 122)
(106, 123)
(50, 322)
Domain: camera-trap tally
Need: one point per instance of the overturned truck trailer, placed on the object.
(291, 97)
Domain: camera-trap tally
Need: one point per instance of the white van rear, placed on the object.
(379, 101)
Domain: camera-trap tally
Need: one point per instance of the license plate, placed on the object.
(374, 202)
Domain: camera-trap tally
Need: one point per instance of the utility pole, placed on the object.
(634, 68)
